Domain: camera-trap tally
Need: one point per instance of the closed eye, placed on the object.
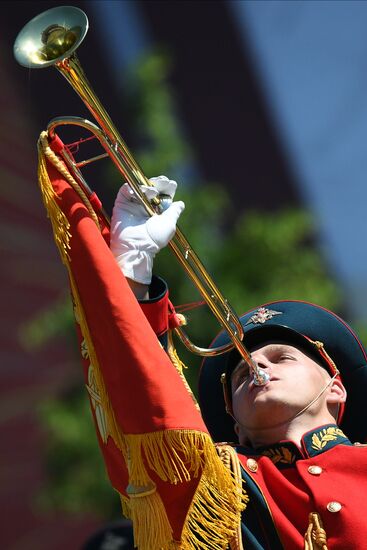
(286, 357)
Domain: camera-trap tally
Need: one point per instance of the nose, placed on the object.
(261, 375)
(262, 361)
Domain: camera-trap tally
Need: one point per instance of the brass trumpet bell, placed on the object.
(50, 37)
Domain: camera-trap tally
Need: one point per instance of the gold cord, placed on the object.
(230, 459)
(315, 536)
(59, 165)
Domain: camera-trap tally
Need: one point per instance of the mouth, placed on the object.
(252, 386)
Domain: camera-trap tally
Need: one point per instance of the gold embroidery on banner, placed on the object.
(280, 455)
(322, 438)
(96, 402)
(76, 313)
(84, 350)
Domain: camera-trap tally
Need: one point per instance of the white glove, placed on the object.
(135, 236)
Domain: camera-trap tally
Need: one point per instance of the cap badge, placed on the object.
(262, 315)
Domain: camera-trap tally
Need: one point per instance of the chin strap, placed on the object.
(317, 397)
(333, 370)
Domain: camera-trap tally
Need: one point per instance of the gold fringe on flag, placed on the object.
(148, 515)
(178, 456)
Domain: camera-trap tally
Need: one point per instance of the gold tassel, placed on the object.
(125, 506)
(44, 150)
(148, 515)
(59, 222)
(168, 453)
(178, 456)
(315, 536)
(150, 523)
(215, 514)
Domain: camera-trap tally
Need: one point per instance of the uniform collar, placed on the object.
(323, 439)
(285, 453)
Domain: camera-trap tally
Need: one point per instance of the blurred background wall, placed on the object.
(271, 96)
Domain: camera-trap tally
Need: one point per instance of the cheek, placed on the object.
(239, 398)
(304, 385)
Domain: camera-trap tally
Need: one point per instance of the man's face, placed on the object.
(295, 380)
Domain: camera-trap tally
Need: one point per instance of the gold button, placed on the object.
(315, 470)
(334, 506)
(252, 465)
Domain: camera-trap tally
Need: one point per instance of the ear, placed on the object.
(337, 392)
(237, 428)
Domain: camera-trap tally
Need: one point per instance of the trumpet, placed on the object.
(51, 39)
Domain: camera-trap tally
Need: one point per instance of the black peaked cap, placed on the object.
(290, 321)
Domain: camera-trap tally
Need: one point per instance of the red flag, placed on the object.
(157, 450)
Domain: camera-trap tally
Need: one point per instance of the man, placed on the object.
(296, 460)
(293, 481)
(305, 480)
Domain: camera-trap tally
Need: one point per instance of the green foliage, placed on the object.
(47, 324)
(77, 480)
(156, 122)
(253, 257)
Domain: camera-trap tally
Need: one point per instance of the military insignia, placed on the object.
(322, 438)
(280, 455)
(262, 315)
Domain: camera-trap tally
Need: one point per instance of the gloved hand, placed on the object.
(135, 236)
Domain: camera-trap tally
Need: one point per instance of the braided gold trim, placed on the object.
(230, 459)
(315, 536)
(321, 348)
(60, 166)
